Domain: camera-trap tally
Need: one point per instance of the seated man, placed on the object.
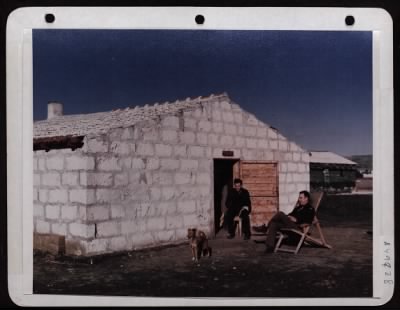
(302, 213)
(238, 201)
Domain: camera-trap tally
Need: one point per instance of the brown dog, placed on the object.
(198, 243)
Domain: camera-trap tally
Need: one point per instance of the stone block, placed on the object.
(186, 207)
(213, 139)
(52, 212)
(252, 120)
(196, 151)
(204, 126)
(162, 178)
(118, 244)
(55, 163)
(190, 220)
(168, 193)
(38, 210)
(203, 178)
(227, 117)
(51, 179)
(288, 156)
(117, 211)
(201, 138)
(108, 164)
(97, 145)
(43, 195)
(41, 164)
(302, 167)
(96, 179)
(59, 229)
(174, 222)
(42, 227)
(84, 196)
(36, 180)
(155, 193)
(58, 195)
(283, 145)
(154, 224)
(108, 229)
(251, 143)
(79, 230)
(126, 163)
(98, 213)
(238, 117)
(141, 240)
(272, 133)
(170, 121)
(70, 178)
(121, 179)
(227, 141)
(250, 131)
(217, 127)
(97, 246)
(163, 150)
(216, 114)
(262, 144)
(262, 132)
(145, 149)
(240, 141)
(127, 133)
(170, 136)
(296, 157)
(189, 164)
(182, 178)
(230, 129)
(273, 144)
(189, 124)
(305, 157)
(153, 164)
(130, 227)
(79, 162)
(69, 213)
(150, 134)
(204, 165)
(165, 236)
(180, 150)
(107, 195)
(292, 167)
(120, 147)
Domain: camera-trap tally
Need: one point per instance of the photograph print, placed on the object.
(202, 163)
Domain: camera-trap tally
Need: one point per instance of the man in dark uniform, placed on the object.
(302, 213)
(238, 201)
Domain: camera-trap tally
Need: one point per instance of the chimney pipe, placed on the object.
(54, 109)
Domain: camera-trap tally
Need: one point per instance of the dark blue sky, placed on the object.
(315, 87)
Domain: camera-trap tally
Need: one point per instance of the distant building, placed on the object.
(331, 172)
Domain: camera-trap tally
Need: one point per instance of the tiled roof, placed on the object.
(329, 158)
(102, 122)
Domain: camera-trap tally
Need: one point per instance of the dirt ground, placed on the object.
(237, 268)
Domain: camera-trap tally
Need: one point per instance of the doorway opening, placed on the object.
(223, 175)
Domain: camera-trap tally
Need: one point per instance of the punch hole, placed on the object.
(199, 19)
(349, 20)
(49, 18)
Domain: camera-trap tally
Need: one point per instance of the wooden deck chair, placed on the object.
(304, 231)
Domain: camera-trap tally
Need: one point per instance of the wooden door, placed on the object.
(261, 180)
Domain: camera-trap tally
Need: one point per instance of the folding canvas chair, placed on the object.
(304, 231)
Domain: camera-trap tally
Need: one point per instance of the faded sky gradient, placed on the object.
(314, 87)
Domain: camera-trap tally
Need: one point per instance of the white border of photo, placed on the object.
(20, 131)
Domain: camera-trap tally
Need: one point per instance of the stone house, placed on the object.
(139, 177)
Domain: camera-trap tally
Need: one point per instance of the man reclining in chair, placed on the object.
(303, 213)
